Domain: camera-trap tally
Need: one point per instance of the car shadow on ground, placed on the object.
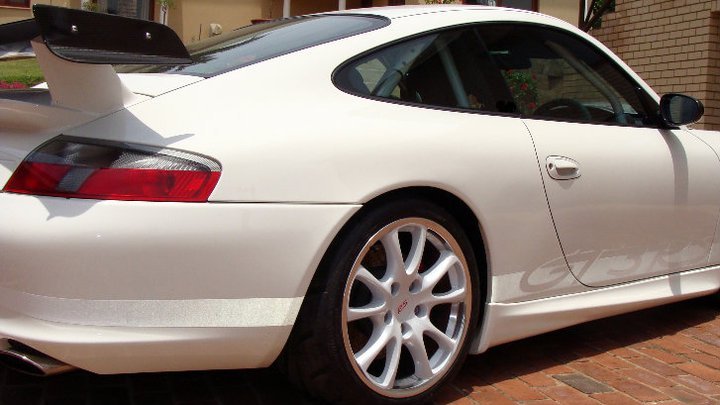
(520, 358)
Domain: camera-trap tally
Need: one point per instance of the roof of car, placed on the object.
(406, 11)
(511, 14)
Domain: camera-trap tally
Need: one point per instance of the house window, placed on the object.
(127, 8)
(15, 3)
(521, 4)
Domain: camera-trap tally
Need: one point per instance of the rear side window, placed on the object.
(259, 42)
(445, 69)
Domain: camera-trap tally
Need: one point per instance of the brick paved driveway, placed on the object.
(667, 355)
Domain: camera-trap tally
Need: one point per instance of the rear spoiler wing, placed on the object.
(88, 37)
(75, 50)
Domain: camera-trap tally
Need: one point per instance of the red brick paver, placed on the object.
(668, 355)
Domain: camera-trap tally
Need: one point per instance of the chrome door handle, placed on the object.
(562, 167)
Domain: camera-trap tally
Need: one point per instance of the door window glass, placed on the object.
(554, 75)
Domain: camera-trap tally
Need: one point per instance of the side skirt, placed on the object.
(513, 321)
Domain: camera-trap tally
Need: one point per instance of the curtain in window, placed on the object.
(15, 3)
(125, 8)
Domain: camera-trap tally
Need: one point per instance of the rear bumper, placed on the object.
(110, 350)
(132, 286)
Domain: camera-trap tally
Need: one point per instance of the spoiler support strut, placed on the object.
(75, 50)
(87, 37)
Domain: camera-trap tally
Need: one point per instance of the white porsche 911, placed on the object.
(363, 197)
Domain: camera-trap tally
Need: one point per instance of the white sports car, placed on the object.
(363, 197)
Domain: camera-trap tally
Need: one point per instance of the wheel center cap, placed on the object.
(403, 304)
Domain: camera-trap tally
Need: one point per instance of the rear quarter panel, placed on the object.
(284, 133)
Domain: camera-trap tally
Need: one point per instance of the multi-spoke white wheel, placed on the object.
(392, 314)
(406, 306)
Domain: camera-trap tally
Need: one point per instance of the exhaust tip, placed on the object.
(27, 360)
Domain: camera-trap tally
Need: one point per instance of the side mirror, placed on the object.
(679, 109)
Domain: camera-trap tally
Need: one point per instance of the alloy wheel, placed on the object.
(406, 307)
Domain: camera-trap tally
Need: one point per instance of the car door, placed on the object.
(629, 199)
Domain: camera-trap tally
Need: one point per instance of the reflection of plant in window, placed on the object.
(523, 87)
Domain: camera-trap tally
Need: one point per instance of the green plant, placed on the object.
(90, 6)
(165, 6)
(20, 71)
(597, 9)
(523, 87)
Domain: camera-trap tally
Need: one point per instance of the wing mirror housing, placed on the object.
(679, 109)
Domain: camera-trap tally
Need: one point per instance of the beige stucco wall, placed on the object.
(568, 10)
(191, 19)
(299, 7)
(10, 14)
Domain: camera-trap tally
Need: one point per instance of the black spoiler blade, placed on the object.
(20, 31)
(88, 37)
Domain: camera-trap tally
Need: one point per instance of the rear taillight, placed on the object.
(83, 168)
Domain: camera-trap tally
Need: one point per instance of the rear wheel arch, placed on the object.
(454, 205)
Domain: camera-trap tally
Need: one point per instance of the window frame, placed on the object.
(8, 4)
(647, 101)
(499, 3)
(147, 8)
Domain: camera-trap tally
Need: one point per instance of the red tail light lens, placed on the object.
(83, 168)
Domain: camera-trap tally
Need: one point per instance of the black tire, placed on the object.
(324, 348)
